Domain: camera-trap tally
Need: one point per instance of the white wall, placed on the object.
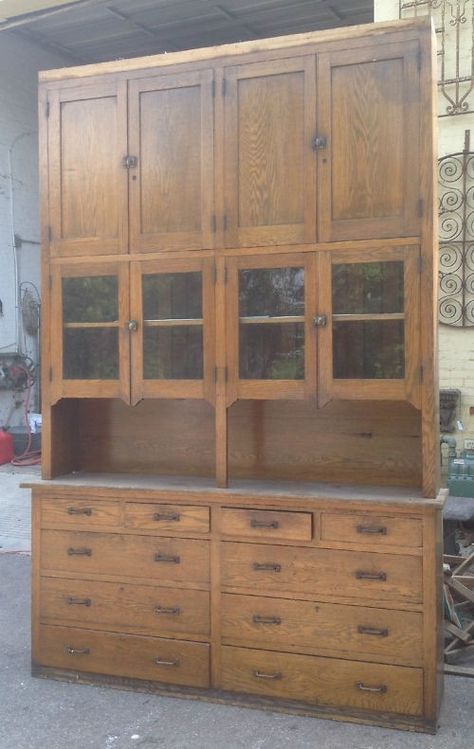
(19, 64)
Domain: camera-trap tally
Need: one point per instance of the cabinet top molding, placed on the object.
(239, 48)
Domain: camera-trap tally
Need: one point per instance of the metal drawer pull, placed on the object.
(372, 631)
(263, 567)
(160, 662)
(79, 511)
(266, 619)
(171, 517)
(79, 552)
(260, 675)
(79, 601)
(379, 529)
(264, 524)
(167, 558)
(161, 610)
(361, 575)
(73, 651)
(381, 689)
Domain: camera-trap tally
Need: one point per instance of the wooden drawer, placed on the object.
(324, 572)
(170, 559)
(142, 609)
(151, 658)
(324, 681)
(277, 623)
(84, 513)
(371, 530)
(158, 517)
(295, 526)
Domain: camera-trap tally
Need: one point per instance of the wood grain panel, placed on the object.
(371, 530)
(125, 655)
(266, 524)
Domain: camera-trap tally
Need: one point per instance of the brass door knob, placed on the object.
(131, 325)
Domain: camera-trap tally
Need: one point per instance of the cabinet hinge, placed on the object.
(224, 222)
(47, 108)
(224, 87)
(50, 233)
(50, 374)
(420, 207)
(214, 375)
(213, 88)
(420, 264)
(421, 374)
(129, 162)
(225, 273)
(226, 374)
(418, 59)
(214, 274)
(213, 223)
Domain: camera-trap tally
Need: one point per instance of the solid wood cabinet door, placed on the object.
(87, 140)
(369, 340)
(269, 163)
(369, 115)
(89, 344)
(172, 185)
(172, 303)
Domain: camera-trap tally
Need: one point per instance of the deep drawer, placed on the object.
(84, 513)
(141, 609)
(324, 681)
(151, 658)
(371, 530)
(327, 572)
(163, 518)
(171, 559)
(276, 623)
(296, 526)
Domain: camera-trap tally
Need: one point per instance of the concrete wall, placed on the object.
(19, 63)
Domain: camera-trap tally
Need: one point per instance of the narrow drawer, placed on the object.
(84, 513)
(321, 572)
(158, 517)
(371, 530)
(324, 681)
(151, 658)
(295, 526)
(170, 559)
(276, 623)
(140, 609)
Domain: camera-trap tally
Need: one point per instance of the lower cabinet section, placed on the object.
(153, 658)
(324, 681)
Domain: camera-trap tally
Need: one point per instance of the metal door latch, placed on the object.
(319, 142)
(320, 321)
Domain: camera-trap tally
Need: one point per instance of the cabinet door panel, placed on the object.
(270, 168)
(87, 181)
(171, 187)
(369, 113)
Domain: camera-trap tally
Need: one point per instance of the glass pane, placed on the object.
(365, 288)
(172, 296)
(272, 352)
(90, 354)
(369, 350)
(271, 292)
(173, 353)
(90, 299)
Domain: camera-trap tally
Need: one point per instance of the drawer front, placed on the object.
(165, 518)
(151, 658)
(296, 526)
(324, 681)
(84, 513)
(277, 623)
(327, 572)
(371, 530)
(170, 559)
(127, 608)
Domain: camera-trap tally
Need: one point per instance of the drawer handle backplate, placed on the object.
(161, 662)
(266, 619)
(72, 601)
(372, 631)
(170, 517)
(363, 688)
(79, 511)
(274, 524)
(169, 558)
(361, 575)
(261, 675)
(74, 651)
(162, 610)
(375, 529)
(82, 552)
(264, 567)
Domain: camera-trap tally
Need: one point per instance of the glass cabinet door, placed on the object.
(371, 336)
(89, 341)
(269, 336)
(173, 347)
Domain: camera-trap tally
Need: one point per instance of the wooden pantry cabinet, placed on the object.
(240, 496)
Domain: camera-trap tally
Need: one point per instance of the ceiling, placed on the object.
(88, 31)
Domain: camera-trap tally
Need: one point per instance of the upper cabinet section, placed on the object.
(87, 139)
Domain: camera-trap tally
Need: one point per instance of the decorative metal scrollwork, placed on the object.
(456, 235)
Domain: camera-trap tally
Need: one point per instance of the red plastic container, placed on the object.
(6, 447)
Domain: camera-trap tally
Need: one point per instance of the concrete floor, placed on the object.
(43, 714)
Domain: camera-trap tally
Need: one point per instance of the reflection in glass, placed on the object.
(271, 291)
(90, 299)
(172, 296)
(90, 354)
(173, 353)
(272, 352)
(367, 288)
(369, 350)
